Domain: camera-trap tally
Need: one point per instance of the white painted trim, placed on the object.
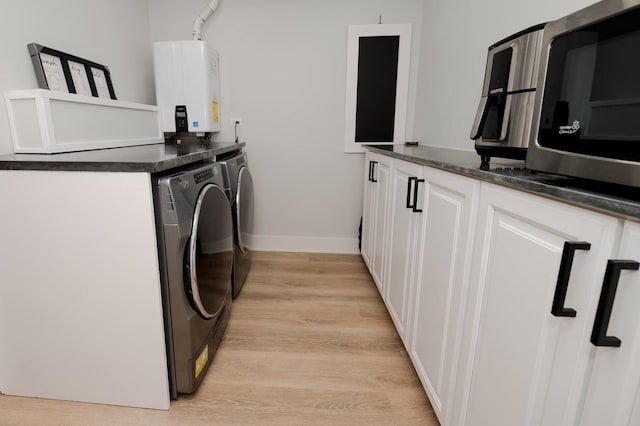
(402, 87)
(304, 244)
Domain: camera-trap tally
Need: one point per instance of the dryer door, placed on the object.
(209, 253)
(244, 209)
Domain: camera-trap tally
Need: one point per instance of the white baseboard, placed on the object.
(304, 244)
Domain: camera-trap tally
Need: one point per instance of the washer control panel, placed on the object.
(203, 175)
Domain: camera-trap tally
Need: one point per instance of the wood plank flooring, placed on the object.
(309, 342)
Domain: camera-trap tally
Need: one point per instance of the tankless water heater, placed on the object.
(187, 86)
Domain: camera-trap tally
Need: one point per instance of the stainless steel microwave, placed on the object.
(586, 119)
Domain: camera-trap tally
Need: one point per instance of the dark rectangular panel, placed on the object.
(376, 93)
(500, 67)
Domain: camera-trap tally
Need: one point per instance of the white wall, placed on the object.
(113, 33)
(455, 38)
(283, 68)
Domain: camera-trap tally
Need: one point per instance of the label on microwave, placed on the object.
(569, 130)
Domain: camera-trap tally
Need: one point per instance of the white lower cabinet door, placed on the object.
(404, 216)
(521, 364)
(368, 211)
(613, 392)
(381, 177)
(448, 219)
(374, 215)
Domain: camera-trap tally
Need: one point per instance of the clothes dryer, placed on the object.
(195, 246)
(239, 186)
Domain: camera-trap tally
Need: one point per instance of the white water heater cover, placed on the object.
(187, 75)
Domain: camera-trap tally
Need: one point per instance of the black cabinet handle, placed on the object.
(605, 305)
(372, 169)
(570, 247)
(415, 196)
(409, 184)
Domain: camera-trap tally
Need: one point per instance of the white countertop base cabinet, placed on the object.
(521, 365)
(80, 302)
(426, 231)
(444, 248)
(367, 242)
(374, 216)
(475, 287)
(405, 228)
(613, 393)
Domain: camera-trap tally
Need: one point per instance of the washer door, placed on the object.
(209, 252)
(244, 209)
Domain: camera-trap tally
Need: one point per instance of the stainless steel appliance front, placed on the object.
(587, 107)
(239, 186)
(503, 120)
(195, 247)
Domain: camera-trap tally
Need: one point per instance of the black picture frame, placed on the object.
(56, 70)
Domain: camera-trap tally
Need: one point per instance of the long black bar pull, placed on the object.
(605, 305)
(409, 185)
(566, 263)
(415, 196)
(373, 171)
(370, 170)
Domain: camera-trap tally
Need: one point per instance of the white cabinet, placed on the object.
(444, 249)
(496, 294)
(613, 390)
(368, 207)
(80, 303)
(405, 227)
(430, 224)
(520, 364)
(374, 216)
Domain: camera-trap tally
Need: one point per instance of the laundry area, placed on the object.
(300, 212)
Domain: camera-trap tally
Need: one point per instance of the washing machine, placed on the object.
(239, 186)
(195, 246)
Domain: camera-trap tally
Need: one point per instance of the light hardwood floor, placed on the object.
(309, 342)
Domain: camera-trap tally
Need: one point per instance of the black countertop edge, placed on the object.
(617, 200)
(152, 158)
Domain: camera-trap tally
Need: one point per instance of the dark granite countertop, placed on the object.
(144, 158)
(612, 199)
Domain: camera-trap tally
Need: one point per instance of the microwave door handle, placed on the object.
(481, 117)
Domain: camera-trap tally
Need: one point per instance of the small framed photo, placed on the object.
(63, 72)
(79, 77)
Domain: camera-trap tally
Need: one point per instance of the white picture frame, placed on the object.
(355, 32)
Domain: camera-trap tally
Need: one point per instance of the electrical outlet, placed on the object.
(235, 121)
